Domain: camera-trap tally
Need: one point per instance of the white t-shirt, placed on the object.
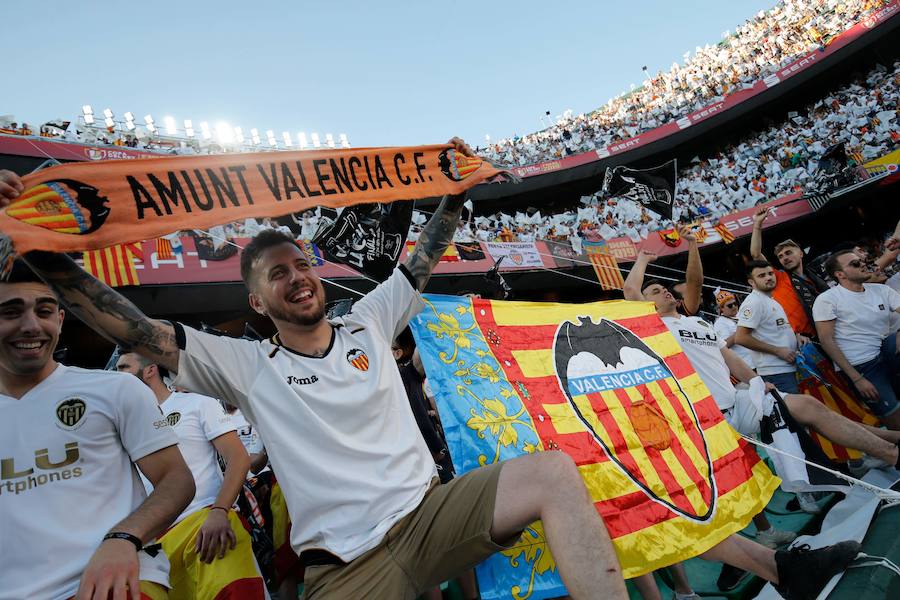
(68, 448)
(197, 420)
(862, 319)
(338, 428)
(725, 328)
(703, 348)
(769, 323)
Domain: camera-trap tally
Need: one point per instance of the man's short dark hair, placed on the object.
(648, 282)
(833, 265)
(22, 273)
(755, 264)
(264, 240)
(675, 292)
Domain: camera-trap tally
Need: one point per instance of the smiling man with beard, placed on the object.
(74, 513)
(369, 520)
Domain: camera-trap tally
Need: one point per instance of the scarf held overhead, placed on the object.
(88, 206)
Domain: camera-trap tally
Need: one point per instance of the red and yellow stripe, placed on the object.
(114, 265)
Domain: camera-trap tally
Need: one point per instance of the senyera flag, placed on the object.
(92, 205)
(607, 384)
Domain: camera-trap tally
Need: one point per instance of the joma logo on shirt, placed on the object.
(291, 380)
(41, 461)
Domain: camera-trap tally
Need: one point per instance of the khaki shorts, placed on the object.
(447, 534)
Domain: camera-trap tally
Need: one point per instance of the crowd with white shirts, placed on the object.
(766, 42)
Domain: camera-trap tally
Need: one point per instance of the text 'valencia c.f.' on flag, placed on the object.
(654, 188)
(92, 205)
(607, 384)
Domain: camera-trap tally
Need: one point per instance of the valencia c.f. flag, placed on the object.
(607, 384)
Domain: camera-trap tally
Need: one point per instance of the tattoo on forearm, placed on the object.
(99, 306)
(434, 239)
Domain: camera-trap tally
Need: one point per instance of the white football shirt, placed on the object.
(765, 316)
(861, 319)
(197, 420)
(250, 438)
(67, 449)
(338, 428)
(703, 348)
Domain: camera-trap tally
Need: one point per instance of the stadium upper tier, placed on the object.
(769, 48)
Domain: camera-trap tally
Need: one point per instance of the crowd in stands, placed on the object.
(762, 45)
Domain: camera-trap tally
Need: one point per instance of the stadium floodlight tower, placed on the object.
(315, 140)
(87, 114)
(329, 140)
(239, 135)
(301, 140)
(129, 121)
(171, 128)
(224, 133)
(204, 130)
(109, 117)
(270, 137)
(151, 126)
(254, 136)
(288, 142)
(189, 128)
(345, 143)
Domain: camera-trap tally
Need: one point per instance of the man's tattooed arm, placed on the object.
(105, 310)
(434, 239)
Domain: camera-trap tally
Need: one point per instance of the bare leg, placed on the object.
(837, 428)
(885, 434)
(744, 554)
(548, 486)
(680, 580)
(646, 586)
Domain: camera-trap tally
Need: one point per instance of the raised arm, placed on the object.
(693, 289)
(438, 231)
(105, 310)
(756, 237)
(635, 279)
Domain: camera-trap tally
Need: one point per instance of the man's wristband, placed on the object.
(121, 535)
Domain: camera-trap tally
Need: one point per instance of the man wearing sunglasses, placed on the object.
(795, 289)
(853, 320)
(726, 325)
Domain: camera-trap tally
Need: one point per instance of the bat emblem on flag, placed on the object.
(634, 407)
(63, 205)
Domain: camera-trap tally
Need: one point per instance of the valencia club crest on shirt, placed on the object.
(358, 359)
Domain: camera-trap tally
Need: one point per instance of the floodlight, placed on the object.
(129, 117)
(286, 135)
(189, 131)
(88, 119)
(129, 125)
(107, 113)
(329, 140)
(487, 138)
(301, 139)
(254, 136)
(315, 139)
(148, 120)
(270, 136)
(345, 143)
(87, 110)
(204, 129)
(151, 127)
(170, 125)
(109, 122)
(224, 133)
(239, 135)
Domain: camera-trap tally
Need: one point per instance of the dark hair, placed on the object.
(675, 292)
(145, 362)
(832, 265)
(755, 264)
(22, 273)
(648, 282)
(264, 240)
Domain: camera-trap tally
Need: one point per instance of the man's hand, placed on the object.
(686, 231)
(113, 571)
(892, 243)
(770, 387)
(802, 340)
(786, 354)
(759, 217)
(646, 256)
(215, 536)
(461, 146)
(10, 187)
(866, 389)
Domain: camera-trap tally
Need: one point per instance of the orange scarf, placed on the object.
(88, 206)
